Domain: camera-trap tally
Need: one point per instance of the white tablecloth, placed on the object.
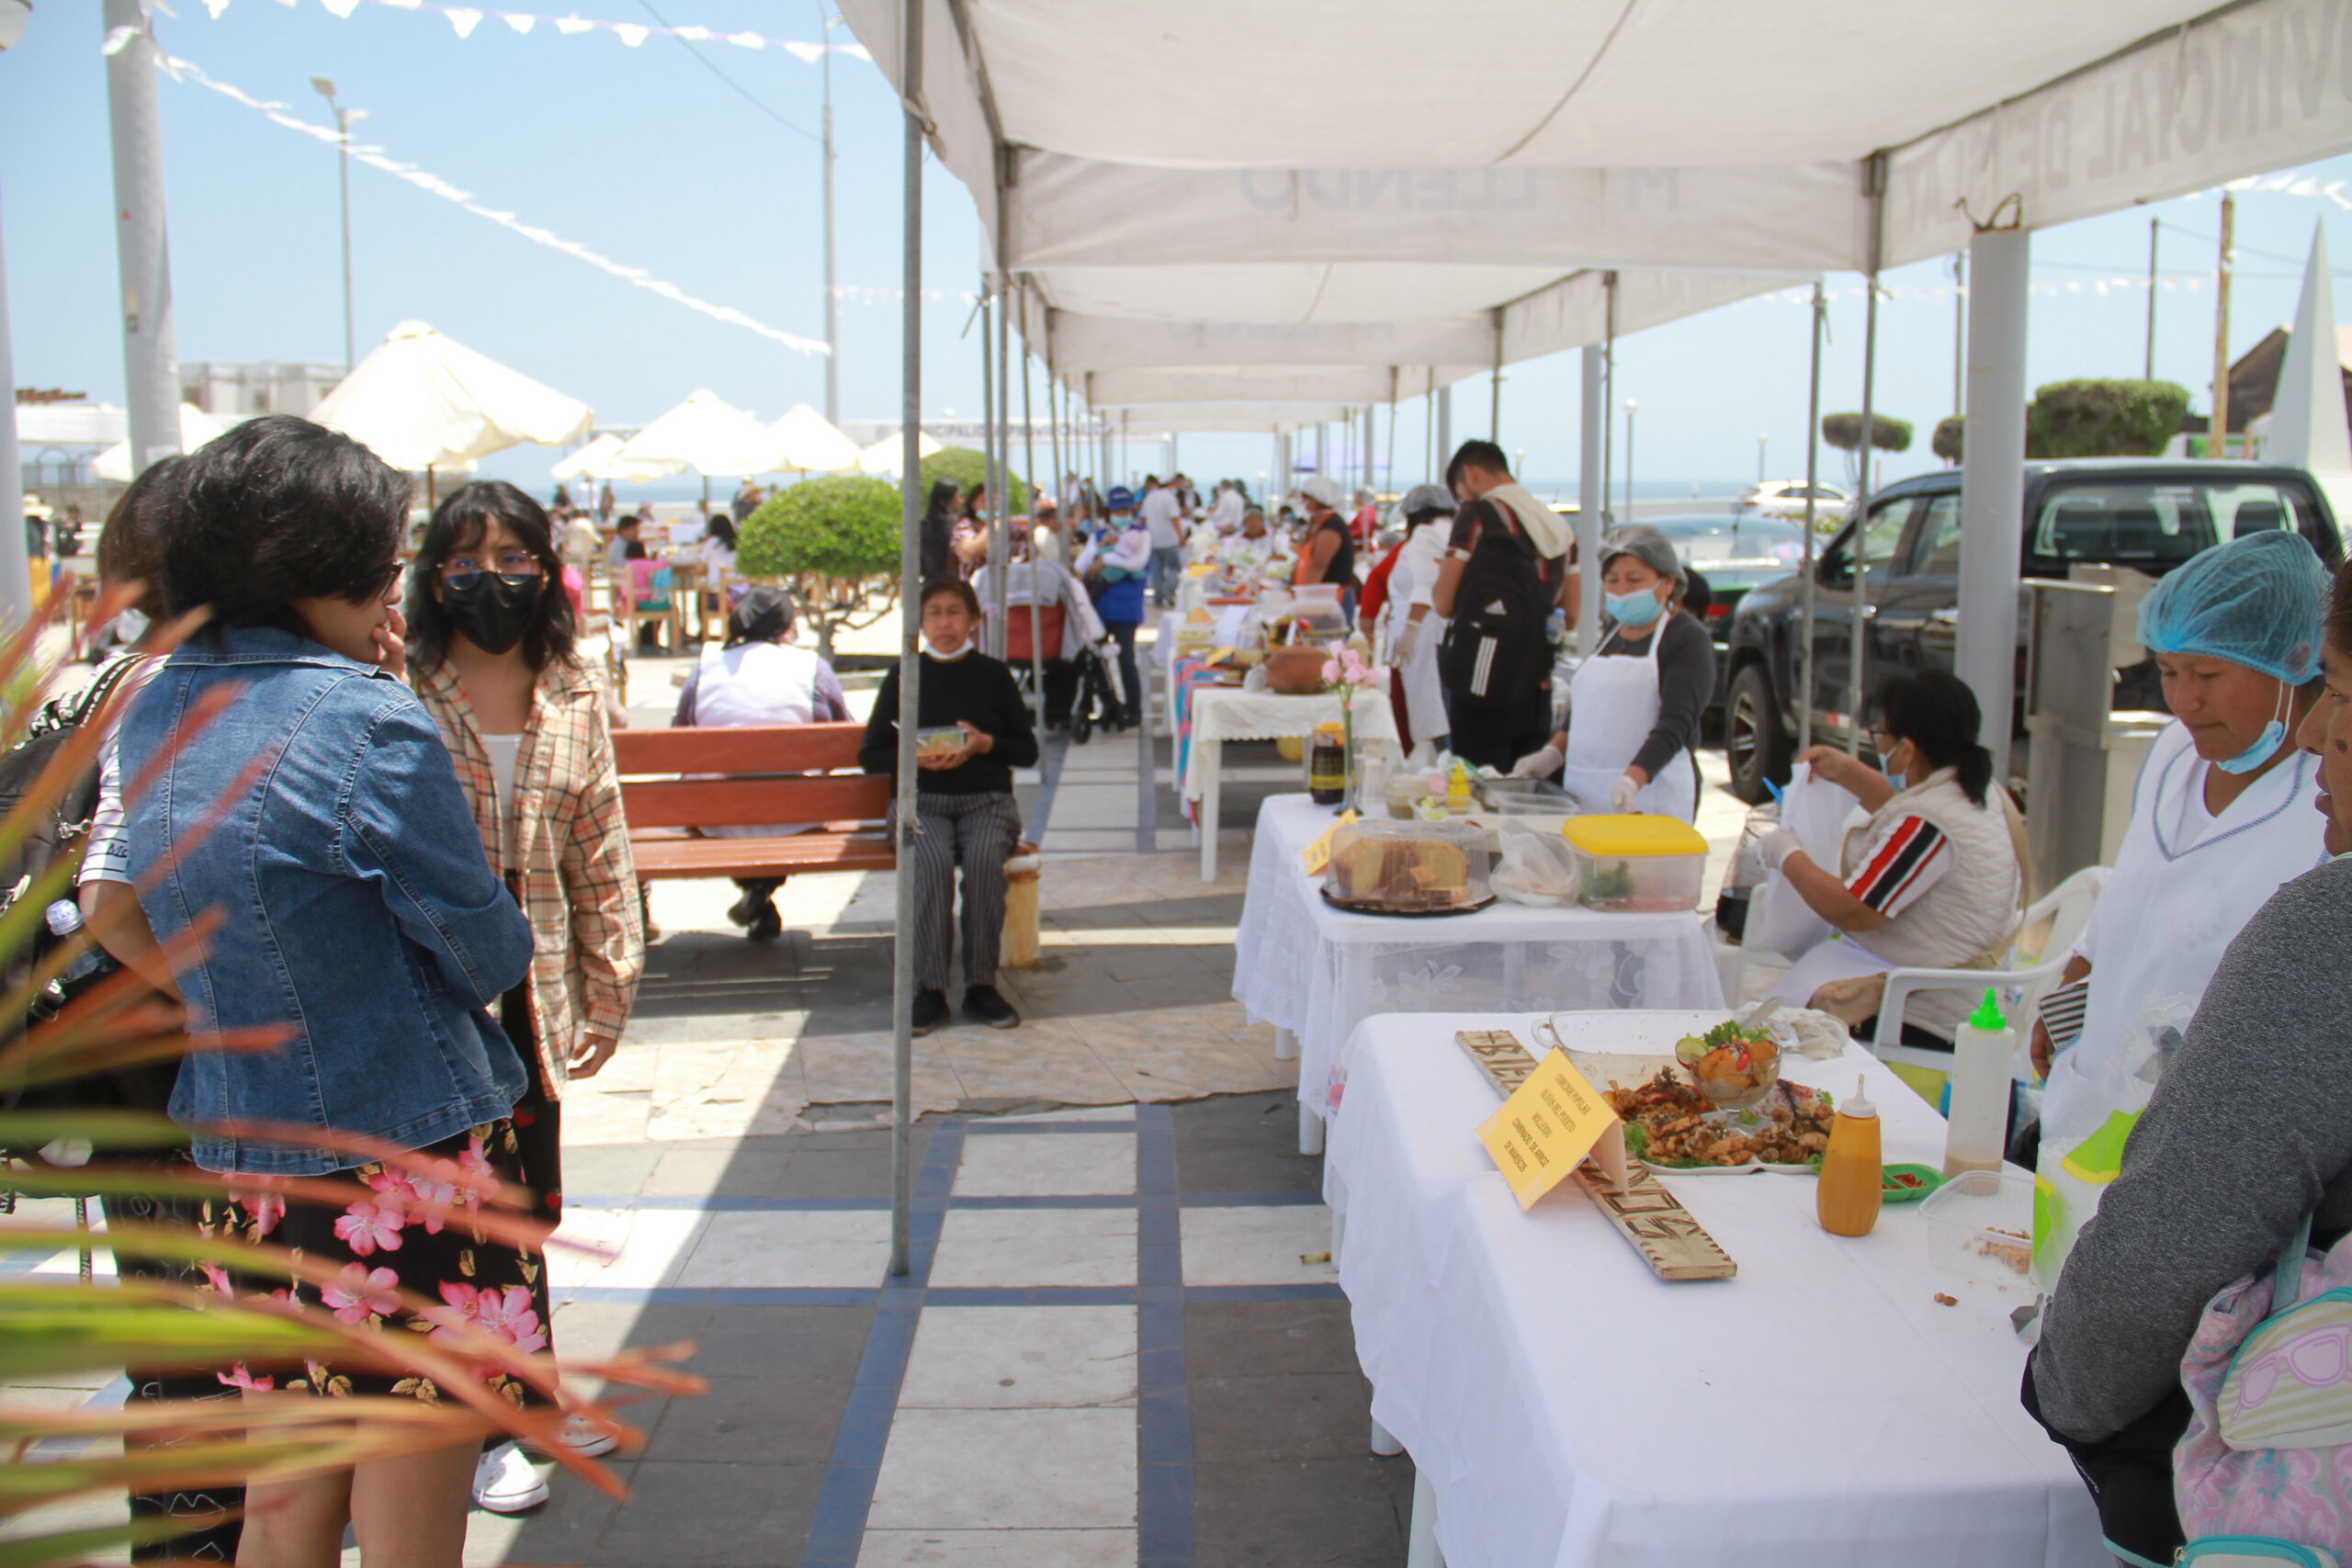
(1821, 1410)
(1220, 714)
(1318, 972)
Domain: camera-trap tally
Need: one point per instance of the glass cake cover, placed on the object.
(1410, 868)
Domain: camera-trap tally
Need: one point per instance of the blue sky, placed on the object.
(647, 156)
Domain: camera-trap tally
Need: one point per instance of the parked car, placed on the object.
(2147, 513)
(1731, 555)
(1785, 497)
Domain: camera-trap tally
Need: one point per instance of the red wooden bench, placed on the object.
(765, 774)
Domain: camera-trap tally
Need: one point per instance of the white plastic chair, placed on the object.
(2023, 978)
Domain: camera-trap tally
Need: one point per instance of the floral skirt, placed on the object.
(417, 1235)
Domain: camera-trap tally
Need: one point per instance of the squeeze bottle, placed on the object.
(1457, 788)
(1980, 1051)
(1847, 1197)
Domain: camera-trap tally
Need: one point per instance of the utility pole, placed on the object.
(832, 301)
(1958, 330)
(150, 361)
(1632, 408)
(324, 87)
(1763, 445)
(2148, 359)
(2219, 446)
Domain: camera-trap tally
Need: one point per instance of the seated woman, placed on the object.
(756, 676)
(1932, 881)
(1043, 585)
(964, 802)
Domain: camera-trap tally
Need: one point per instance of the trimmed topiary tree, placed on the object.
(969, 465)
(1946, 443)
(1844, 431)
(834, 541)
(2103, 418)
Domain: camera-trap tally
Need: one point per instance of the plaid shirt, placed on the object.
(564, 848)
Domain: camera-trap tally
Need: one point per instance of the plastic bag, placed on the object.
(1778, 919)
(1534, 867)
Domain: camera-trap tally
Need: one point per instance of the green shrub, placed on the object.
(1844, 431)
(967, 465)
(1947, 441)
(2103, 418)
(836, 541)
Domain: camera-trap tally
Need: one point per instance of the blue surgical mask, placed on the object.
(1635, 609)
(2266, 745)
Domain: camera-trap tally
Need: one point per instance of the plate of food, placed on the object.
(1733, 1065)
(1671, 1127)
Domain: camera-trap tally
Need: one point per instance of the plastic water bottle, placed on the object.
(1555, 625)
(63, 918)
(1982, 1050)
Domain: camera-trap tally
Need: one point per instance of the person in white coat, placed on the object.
(758, 676)
(1043, 584)
(1409, 639)
(2222, 817)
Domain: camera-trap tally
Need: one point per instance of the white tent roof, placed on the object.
(708, 435)
(70, 424)
(422, 400)
(1488, 165)
(196, 427)
(888, 455)
(809, 442)
(601, 459)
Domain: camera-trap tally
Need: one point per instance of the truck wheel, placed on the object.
(1757, 745)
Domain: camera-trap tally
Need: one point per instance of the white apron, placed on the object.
(1424, 696)
(2170, 907)
(1612, 707)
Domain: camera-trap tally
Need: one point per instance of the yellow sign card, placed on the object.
(1317, 856)
(1222, 656)
(1549, 1124)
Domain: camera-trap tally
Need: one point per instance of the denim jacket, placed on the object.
(320, 816)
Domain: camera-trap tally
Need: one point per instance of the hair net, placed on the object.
(1325, 490)
(1426, 498)
(1646, 545)
(2258, 601)
(762, 615)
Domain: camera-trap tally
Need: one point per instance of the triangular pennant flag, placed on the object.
(463, 19)
(216, 7)
(404, 4)
(855, 51)
(631, 33)
(341, 7)
(118, 39)
(520, 23)
(692, 34)
(747, 40)
(570, 25)
(806, 53)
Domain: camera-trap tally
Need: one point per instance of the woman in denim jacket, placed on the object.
(319, 819)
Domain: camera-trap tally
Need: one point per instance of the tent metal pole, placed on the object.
(1029, 461)
(150, 357)
(1495, 386)
(1368, 469)
(1445, 426)
(1428, 427)
(1592, 415)
(1608, 391)
(1858, 620)
(1803, 681)
(832, 296)
(992, 477)
(1396, 375)
(1004, 552)
(1992, 480)
(902, 946)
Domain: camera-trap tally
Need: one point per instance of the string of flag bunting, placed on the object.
(464, 19)
(432, 185)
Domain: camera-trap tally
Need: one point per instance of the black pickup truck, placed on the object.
(2148, 514)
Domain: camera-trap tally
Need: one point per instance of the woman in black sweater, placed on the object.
(964, 804)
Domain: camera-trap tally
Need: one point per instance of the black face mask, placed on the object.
(492, 611)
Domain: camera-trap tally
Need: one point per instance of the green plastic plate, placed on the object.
(1928, 1176)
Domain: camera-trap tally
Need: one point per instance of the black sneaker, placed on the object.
(744, 911)
(766, 925)
(930, 1009)
(984, 1004)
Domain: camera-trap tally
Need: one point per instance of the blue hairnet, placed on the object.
(2258, 601)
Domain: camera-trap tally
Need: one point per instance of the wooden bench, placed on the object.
(665, 802)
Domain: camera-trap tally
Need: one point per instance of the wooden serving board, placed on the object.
(1651, 1219)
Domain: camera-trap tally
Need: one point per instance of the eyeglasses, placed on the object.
(460, 571)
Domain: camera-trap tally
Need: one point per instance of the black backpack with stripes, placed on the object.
(1498, 649)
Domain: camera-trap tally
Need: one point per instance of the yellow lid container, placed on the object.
(1633, 837)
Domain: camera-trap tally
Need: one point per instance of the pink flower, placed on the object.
(1330, 670)
(429, 1198)
(365, 1227)
(217, 1277)
(263, 1206)
(237, 1377)
(475, 1164)
(509, 1316)
(368, 1293)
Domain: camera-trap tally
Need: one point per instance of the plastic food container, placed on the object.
(1652, 864)
(1409, 868)
(1980, 1226)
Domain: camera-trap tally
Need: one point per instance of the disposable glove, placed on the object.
(1538, 764)
(1621, 793)
(1401, 646)
(1777, 846)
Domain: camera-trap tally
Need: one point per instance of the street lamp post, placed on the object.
(1762, 442)
(324, 87)
(1631, 408)
(832, 300)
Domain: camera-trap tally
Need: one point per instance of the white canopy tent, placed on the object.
(421, 401)
(196, 427)
(602, 459)
(887, 456)
(810, 442)
(708, 435)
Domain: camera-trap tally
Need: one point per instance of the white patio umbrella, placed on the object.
(425, 402)
(196, 427)
(601, 459)
(887, 456)
(812, 444)
(708, 435)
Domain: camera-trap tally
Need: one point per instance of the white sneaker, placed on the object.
(583, 1438)
(504, 1481)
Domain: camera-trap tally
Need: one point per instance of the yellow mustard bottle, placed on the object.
(1852, 1184)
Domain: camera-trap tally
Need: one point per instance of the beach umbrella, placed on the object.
(885, 457)
(601, 459)
(708, 435)
(196, 427)
(421, 401)
(810, 443)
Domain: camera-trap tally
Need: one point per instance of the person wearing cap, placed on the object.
(1634, 707)
(1114, 566)
(1329, 553)
(1505, 570)
(1408, 575)
(757, 676)
(2221, 816)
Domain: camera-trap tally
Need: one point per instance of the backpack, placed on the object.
(55, 837)
(1498, 647)
(2263, 1474)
